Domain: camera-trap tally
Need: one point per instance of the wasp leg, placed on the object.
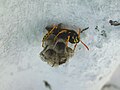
(59, 34)
(67, 41)
(75, 47)
(59, 26)
(48, 34)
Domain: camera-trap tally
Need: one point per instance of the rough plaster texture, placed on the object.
(22, 24)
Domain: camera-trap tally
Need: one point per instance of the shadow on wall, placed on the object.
(114, 82)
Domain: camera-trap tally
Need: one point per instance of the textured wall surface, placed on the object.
(22, 25)
(114, 82)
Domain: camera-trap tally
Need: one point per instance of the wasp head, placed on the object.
(74, 38)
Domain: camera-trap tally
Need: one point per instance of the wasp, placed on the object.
(66, 34)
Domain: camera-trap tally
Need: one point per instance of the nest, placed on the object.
(56, 53)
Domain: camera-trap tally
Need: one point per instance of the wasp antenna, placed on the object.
(84, 45)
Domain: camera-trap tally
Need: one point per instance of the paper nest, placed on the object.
(55, 53)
